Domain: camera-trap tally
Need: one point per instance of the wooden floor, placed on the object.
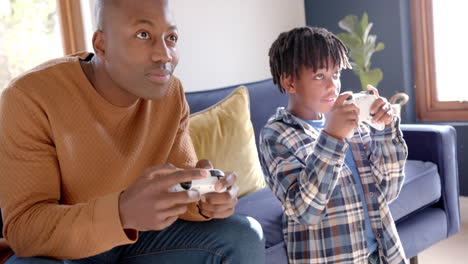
(453, 250)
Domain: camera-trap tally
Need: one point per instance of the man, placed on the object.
(91, 144)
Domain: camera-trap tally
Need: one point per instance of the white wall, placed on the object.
(226, 42)
(89, 22)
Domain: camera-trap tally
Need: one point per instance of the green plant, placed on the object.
(361, 46)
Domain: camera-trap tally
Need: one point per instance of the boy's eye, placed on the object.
(143, 35)
(336, 75)
(318, 77)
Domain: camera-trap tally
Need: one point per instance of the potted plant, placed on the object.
(362, 45)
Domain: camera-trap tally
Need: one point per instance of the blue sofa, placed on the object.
(427, 209)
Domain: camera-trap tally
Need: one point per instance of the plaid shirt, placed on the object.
(323, 219)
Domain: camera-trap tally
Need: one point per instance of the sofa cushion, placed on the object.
(266, 209)
(421, 188)
(264, 99)
(223, 133)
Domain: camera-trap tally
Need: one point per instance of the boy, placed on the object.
(335, 190)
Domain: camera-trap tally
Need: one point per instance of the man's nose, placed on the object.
(161, 52)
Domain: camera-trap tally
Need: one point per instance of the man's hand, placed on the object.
(219, 205)
(148, 205)
(342, 118)
(381, 108)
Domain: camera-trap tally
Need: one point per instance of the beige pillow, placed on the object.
(224, 135)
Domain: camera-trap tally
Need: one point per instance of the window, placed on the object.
(72, 25)
(34, 31)
(439, 58)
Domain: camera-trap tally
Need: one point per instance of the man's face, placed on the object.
(316, 92)
(140, 40)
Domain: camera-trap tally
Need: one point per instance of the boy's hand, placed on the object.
(381, 108)
(219, 205)
(148, 205)
(342, 118)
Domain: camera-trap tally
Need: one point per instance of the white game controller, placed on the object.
(364, 101)
(205, 185)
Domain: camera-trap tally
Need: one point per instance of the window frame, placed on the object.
(428, 107)
(71, 25)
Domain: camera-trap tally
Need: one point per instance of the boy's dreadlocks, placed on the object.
(308, 47)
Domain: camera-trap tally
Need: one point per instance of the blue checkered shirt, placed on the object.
(323, 218)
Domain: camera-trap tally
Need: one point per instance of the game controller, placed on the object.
(364, 101)
(205, 185)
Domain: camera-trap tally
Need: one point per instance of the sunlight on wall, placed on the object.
(226, 42)
(87, 11)
(223, 42)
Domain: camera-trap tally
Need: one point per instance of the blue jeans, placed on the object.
(237, 239)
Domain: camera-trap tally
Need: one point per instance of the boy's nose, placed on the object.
(332, 84)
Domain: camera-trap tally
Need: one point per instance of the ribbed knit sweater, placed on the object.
(66, 154)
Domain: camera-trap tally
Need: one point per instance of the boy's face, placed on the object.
(314, 92)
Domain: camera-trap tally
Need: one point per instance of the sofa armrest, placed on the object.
(438, 144)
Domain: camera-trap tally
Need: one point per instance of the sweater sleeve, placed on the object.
(183, 154)
(35, 221)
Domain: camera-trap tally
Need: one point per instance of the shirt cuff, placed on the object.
(387, 133)
(107, 222)
(193, 214)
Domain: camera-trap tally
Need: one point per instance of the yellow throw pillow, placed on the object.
(224, 135)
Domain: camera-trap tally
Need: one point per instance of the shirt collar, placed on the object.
(285, 116)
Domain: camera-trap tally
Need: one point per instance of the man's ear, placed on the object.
(288, 83)
(98, 44)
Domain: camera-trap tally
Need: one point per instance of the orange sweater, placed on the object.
(66, 154)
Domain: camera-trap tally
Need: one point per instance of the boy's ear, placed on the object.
(288, 83)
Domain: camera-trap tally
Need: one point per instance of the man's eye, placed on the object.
(143, 35)
(173, 38)
(318, 77)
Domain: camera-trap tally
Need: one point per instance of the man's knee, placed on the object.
(242, 228)
(18, 260)
(245, 235)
